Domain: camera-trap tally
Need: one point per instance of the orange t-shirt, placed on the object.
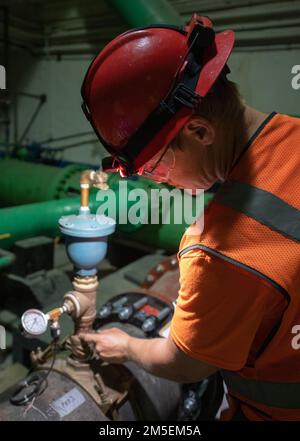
(223, 312)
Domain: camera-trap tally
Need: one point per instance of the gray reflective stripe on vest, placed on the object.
(282, 395)
(200, 246)
(262, 206)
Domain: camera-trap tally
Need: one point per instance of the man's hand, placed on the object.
(158, 356)
(111, 344)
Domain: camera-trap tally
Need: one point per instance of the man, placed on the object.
(161, 104)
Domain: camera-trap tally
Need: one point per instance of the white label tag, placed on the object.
(68, 402)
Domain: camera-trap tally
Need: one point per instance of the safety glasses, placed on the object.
(159, 167)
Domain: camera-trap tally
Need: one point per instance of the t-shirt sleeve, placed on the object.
(219, 310)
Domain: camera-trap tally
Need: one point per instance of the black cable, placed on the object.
(35, 382)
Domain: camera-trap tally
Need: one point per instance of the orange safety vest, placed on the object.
(254, 223)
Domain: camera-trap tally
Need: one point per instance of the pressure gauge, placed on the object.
(34, 322)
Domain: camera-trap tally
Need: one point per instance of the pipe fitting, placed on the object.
(73, 304)
(81, 305)
(87, 178)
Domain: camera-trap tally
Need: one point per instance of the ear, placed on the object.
(200, 129)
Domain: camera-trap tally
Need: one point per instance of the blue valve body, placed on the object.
(86, 240)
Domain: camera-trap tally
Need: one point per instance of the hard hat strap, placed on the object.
(182, 94)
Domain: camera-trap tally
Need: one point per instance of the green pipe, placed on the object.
(164, 236)
(36, 219)
(24, 182)
(146, 12)
(32, 220)
(41, 218)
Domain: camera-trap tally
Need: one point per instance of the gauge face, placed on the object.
(34, 322)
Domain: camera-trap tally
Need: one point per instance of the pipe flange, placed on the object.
(85, 284)
(71, 296)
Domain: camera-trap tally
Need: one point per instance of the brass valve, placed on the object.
(97, 179)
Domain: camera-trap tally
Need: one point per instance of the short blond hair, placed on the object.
(222, 106)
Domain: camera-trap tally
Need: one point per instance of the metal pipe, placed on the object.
(85, 181)
(85, 290)
(42, 99)
(23, 182)
(88, 179)
(42, 219)
(63, 138)
(145, 12)
(40, 182)
(34, 219)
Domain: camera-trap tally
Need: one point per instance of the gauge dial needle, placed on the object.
(33, 323)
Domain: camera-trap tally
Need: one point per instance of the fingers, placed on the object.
(108, 343)
(89, 338)
(93, 337)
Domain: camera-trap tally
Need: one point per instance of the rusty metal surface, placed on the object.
(106, 384)
(147, 398)
(162, 281)
(47, 407)
(113, 392)
(109, 391)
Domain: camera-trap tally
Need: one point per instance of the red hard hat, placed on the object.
(145, 84)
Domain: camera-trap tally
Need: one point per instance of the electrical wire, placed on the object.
(35, 381)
